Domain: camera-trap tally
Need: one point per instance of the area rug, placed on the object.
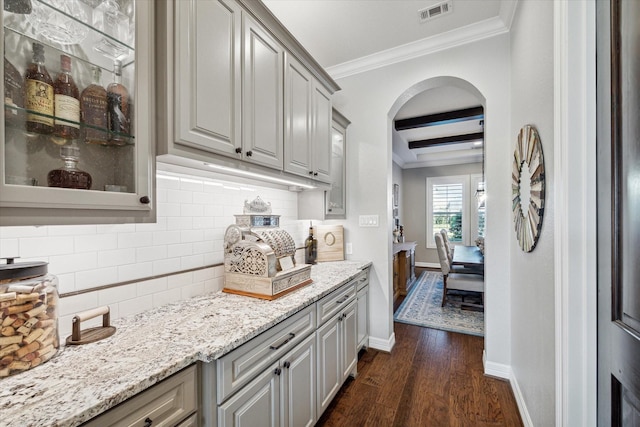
(422, 307)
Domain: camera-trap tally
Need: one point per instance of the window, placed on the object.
(451, 205)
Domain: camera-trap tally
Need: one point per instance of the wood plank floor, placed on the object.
(431, 378)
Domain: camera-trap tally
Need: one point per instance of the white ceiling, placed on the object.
(351, 36)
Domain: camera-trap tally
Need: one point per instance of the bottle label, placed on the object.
(68, 108)
(39, 98)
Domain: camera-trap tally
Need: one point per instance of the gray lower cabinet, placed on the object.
(166, 404)
(363, 309)
(337, 353)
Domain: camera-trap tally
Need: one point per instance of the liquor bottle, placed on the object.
(118, 107)
(66, 101)
(310, 247)
(69, 176)
(93, 110)
(13, 95)
(38, 94)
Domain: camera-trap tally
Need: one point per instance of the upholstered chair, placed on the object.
(453, 280)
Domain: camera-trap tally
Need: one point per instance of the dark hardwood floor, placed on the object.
(430, 378)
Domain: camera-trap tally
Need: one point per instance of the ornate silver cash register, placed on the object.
(259, 257)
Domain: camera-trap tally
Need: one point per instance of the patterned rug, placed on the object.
(422, 307)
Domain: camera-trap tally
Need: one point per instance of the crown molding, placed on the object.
(507, 12)
(478, 31)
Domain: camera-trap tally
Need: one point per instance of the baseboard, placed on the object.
(427, 265)
(503, 371)
(382, 344)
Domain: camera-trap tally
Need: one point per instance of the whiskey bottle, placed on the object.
(310, 247)
(69, 176)
(93, 110)
(66, 102)
(38, 94)
(13, 95)
(118, 117)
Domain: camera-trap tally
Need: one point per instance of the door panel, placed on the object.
(618, 107)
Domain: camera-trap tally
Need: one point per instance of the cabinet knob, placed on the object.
(344, 315)
(315, 174)
(238, 150)
(310, 172)
(340, 319)
(249, 153)
(278, 371)
(145, 200)
(148, 422)
(287, 365)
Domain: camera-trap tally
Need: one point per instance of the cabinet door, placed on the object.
(349, 340)
(336, 198)
(363, 317)
(256, 404)
(321, 142)
(297, 111)
(262, 107)
(207, 81)
(299, 385)
(116, 157)
(329, 372)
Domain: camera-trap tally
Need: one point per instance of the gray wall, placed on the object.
(532, 274)
(414, 203)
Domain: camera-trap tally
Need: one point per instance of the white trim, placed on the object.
(575, 214)
(382, 344)
(507, 12)
(428, 265)
(500, 370)
(471, 33)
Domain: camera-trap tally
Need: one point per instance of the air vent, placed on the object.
(435, 11)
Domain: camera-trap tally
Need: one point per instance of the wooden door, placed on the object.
(299, 389)
(618, 109)
(262, 107)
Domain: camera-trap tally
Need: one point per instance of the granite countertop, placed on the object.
(81, 382)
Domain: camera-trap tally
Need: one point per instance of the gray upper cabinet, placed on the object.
(208, 84)
(262, 103)
(236, 90)
(336, 198)
(120, 158)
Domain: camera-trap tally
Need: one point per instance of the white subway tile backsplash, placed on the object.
(9, 248)
(116, 257)
(193, 215)
(134, 306)
(99, 242)
(139, 270)
(73, 262)
(115, 295)
(98, 277)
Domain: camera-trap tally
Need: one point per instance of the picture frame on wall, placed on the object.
(395, 213)
(396, 192)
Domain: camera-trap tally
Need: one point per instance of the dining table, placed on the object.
(468, 256)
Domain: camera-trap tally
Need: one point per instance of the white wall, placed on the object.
(370, 100)
(532, 274)
(193, 214)
(414, 182)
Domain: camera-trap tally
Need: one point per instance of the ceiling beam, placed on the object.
(473, 113)
(446, 140)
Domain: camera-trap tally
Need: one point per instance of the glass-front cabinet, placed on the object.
(336, 198)
(77, 135)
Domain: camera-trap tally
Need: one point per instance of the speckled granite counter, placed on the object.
(81, 382)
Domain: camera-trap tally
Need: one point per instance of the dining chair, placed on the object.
(457, 281)
(449, 248)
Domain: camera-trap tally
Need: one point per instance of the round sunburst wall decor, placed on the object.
(528, 188)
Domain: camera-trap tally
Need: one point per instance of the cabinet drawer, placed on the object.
(238, 367)
(335, 301)
(164, 404)
(362, 279)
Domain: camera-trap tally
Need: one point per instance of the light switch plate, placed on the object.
(368, 220)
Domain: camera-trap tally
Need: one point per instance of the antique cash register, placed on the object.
(259, 257)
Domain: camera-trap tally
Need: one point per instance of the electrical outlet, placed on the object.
(368, 220)
(349, 248)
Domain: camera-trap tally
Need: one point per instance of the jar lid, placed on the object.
(22, 270)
